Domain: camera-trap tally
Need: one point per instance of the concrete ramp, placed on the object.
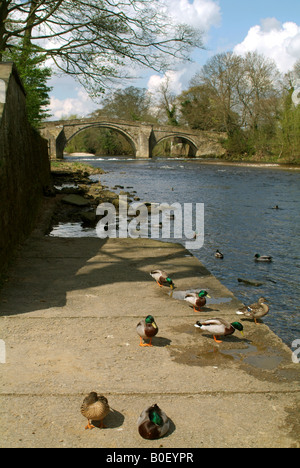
(68, 315)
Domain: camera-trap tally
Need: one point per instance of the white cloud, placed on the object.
(275, 40)
(81, 105)
(172, 77)
(202, 14)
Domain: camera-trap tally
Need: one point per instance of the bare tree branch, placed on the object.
(95, 39)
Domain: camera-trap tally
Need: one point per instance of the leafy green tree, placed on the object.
(287, 140)
(129, 104)
(34, 78)
(220, 75)
(199, 110)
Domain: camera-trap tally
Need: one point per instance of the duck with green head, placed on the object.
(263, 258)
(219, 327)
(162, 278)
(197, 300)
(153, 423)
(147, 329)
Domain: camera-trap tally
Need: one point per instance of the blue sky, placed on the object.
(271, 27)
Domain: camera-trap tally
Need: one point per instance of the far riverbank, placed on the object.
(208, 161)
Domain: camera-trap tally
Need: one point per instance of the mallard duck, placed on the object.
(263, 258)
(219, 327)
(147, 329)
(95, 408)
(162, 278)
(197, 300)
(257, 310)
(153, 423)
(219, 254)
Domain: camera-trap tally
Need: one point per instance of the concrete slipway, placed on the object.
(68, 315)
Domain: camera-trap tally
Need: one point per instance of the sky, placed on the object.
(270, 27)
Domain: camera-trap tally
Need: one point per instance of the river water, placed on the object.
(239, 221)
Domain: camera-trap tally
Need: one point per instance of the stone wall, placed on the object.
(24, 165)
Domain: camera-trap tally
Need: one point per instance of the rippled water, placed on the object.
(239, 221)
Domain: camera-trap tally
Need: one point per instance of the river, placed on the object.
(239, 221)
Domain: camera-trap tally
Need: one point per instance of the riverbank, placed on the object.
(214, 161)
(78, 195)
(262, 165)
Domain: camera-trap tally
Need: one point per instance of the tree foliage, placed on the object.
(247, 98)
(34, 78)
(96, 40)
(101, 142)
(129, 104)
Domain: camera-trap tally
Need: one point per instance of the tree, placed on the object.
(129, 104)
(219, 76)
(257, 90)
(96, 40)
(167, 102)
(34, 78)
(199, 110)
(287, 140)
(238, 95)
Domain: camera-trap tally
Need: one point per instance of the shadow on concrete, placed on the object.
(47, 269)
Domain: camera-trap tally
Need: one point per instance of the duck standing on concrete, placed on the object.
(153, 423)
(95, 408)
(197, 300)
(162, 278)
(219, 327)
(257, 310)
(147, 329)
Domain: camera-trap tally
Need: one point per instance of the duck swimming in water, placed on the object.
(219, 254)
(263, 258)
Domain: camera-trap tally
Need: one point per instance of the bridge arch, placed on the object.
(184, 138)
(68, 133)
(142, 136)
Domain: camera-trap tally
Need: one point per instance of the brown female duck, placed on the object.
(95, 408)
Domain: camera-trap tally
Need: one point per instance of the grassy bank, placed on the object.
(74, 167)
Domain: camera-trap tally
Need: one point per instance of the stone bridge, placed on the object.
(143, 137)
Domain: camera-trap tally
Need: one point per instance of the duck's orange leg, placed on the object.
(144, 344)
(216, 340)
(89, 426)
